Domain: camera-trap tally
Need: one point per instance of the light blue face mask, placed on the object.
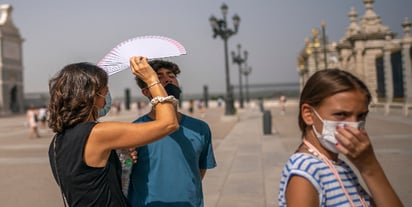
(327, 137)
(103, 111)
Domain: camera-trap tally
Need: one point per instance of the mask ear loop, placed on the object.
(335, 172)
(317, 115)
(316, 133)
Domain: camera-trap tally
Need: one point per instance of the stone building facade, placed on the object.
(369, 50)
(11, 64)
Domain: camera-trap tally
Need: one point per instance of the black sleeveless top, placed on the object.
(81, 184)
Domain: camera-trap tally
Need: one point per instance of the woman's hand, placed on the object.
(356, 146)
(141, 68)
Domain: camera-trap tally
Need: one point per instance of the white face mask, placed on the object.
(327, 138)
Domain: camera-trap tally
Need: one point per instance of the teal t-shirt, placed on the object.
(167, 171)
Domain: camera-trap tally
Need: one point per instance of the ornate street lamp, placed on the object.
(313, 45)
(246, 72)
(323, 25)
(220, 29)
(237, 58)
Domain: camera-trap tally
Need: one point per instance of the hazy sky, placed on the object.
(57, 33)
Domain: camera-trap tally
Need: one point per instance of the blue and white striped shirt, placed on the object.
(323, 180)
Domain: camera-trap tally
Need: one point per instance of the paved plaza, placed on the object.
(249, 162)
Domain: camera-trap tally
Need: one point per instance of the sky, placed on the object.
(57, 33)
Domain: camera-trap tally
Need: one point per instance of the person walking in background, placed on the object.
(219, 101)
(82, 154)
(169, 172)
(42, 116)
(32, 117)
(282, 104)
(332, 114)
(201, 108)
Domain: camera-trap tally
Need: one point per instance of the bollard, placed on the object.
(127, 99)
(267, 122)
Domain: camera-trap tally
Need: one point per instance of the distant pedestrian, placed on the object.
(118, 107)
(219, 101)
(201, 108)
(282, 104)
(32, 117)
(332, 114)
(42, 116)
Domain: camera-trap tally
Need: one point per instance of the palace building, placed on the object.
(369, 50)
(11, 64)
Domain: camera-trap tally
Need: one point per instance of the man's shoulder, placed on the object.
(192, 119)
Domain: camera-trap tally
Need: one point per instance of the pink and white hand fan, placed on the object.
(151, 47)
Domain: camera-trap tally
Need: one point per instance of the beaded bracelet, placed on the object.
(153, 84)
(160, 99)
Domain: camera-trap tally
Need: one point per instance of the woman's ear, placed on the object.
(307, 114)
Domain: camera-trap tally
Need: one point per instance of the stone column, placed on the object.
(407, 72)
(359, 49)
(369, 71)
(311, 64)
(344, 54)
(11, 64)
(407, 66)
(388, 74)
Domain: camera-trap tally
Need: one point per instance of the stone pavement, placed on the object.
(249, 162)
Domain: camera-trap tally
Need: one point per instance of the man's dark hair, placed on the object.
(156, 65)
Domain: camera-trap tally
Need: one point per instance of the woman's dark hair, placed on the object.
(156, 65)
(326, 83)
(72, 94)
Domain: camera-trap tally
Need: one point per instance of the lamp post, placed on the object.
(237, 58)
(220, 29)
(323, 25)
(246, 72)
(312, 46)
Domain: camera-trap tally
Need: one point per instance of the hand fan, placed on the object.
(151, 47)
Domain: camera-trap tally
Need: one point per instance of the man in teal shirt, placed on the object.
(169, 172)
